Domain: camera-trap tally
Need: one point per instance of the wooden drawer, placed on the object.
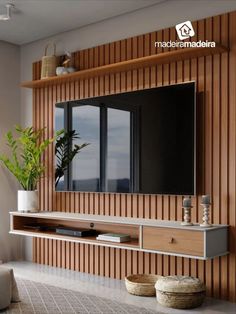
(172, 240)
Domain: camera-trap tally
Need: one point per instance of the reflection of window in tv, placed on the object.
(107, 163)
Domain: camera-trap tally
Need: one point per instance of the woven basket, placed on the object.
(180, 300)
(49, 63)
(180, 292)
(143, 285)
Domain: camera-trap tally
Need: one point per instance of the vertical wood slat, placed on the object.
(224, 148)
(231, 156)
(215, 78)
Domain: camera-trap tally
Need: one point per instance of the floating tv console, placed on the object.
(147, 235)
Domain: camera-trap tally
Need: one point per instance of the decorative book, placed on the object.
(114, 237)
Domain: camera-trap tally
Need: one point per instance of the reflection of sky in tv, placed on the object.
(86, 122)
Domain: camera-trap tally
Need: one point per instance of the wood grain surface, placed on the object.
(215, 78)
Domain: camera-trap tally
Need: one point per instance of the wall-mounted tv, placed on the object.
(140, 141)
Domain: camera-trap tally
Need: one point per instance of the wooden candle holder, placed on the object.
(187, 216)
(206, 218)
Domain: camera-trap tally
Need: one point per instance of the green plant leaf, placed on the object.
(27, 150)
(65, 151)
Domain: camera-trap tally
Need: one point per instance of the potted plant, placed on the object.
(25, 163)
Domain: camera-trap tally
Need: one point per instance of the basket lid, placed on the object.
(181, 284)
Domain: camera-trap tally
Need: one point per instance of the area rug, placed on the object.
(39, 298)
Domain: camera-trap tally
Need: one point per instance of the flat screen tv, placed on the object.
(140, 141)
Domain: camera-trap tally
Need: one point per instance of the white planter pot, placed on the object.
(61, 71)
(28, 201)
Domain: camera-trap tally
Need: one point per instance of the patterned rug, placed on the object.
(39, 298)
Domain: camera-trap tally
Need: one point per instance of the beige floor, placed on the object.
(106, 287)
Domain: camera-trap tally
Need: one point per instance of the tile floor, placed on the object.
(107, 288)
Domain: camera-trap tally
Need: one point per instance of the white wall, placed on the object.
(10, 246)
(142, 21)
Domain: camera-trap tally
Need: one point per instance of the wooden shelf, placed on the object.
(147, 235)
(161, 58)
(133, 244)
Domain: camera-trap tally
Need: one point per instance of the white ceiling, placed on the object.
(37, 19)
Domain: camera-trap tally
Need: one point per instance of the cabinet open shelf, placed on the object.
(147, 235)
(134, 64)
(133, 244)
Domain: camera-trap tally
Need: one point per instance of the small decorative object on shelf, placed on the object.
(206, 199)
(76, 232)
(65, 68)
(113, 237)
(61, 71)
(187, 207)
(49, 63)
(206, 202)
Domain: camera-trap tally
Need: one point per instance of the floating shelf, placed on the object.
(147, 235)
(134, 64)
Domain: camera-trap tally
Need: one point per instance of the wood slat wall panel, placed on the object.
(216, 123)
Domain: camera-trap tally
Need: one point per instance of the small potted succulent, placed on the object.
(25, 163)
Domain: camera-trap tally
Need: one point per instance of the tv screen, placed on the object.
(139, 142)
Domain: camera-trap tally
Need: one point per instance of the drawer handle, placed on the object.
(171, 241)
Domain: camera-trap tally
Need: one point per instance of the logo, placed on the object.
(185, 30)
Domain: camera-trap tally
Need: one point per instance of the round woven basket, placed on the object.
(180, 300)
(142, 285)
(180, 292)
